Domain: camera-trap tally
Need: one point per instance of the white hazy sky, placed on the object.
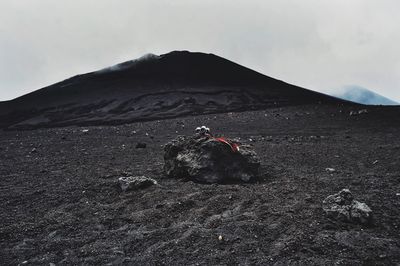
(322, 45)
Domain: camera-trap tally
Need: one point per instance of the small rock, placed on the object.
(308, 198)
(52, 234)
(342, 206)
(85, 130)
(330, 170)
(135, 182)
(359, 112)
(34, 150)
(181, 124)
(375, 162)
(141, 145)
(220, 238)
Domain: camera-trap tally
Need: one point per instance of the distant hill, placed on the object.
(364, 96)
(153, 87)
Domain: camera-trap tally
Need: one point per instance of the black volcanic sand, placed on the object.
(60, 201)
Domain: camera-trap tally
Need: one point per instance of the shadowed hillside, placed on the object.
(153, 87)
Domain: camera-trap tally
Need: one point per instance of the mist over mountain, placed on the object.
(364, 96)
(154, 87)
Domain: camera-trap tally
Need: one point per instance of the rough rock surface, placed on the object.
(135, 182)
(204, 159)
(343, 206)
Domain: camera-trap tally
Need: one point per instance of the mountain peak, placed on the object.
(154, 87)
(184, 53)
(362, 95)
(130, 63)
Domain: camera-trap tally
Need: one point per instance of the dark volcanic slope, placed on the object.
(153, 87)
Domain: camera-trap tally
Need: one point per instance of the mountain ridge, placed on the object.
(153, 87)
(362, 95)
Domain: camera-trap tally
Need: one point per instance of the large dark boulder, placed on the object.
(205, 159)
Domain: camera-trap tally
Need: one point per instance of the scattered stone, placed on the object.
(181, 124)
(375, 162)
(53, 234)
(34, 150)
(128, 183)
(330, 170)
(85, 130)
(359, 112)
(203, 158)
(308, 198)
(220, 238)
(141, 145)
(342, 206)
(189, 100)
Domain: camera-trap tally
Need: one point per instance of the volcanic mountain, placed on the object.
(61, 197)
(153, 87)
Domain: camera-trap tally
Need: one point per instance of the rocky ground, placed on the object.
(61, 203)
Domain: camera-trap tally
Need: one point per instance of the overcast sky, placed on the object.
(322, 45)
